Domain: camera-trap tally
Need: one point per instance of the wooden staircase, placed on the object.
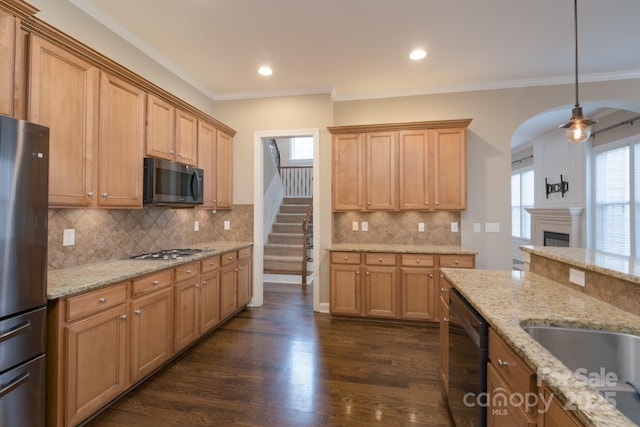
(283, 252)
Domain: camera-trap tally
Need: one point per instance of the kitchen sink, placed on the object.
(605, 360)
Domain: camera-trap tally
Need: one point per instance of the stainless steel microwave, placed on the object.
(171, 183)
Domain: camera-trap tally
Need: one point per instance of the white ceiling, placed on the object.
(357, 49)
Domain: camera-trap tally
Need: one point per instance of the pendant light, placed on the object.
(579, 127)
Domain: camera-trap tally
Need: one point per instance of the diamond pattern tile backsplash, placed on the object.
(104, 234)
(397, 227)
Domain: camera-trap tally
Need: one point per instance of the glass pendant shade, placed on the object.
(578, 128)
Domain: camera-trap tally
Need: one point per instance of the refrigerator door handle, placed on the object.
(15, 383)
(16, 330)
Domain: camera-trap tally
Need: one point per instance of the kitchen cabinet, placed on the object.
(8, 33)
(209, 293)
(400, 166)
(245, 290)
(87, 355)
(187, 305)
(64, 97)
(380, 285)
(121, 143)
(235, 281)
(507, 374)
(418, 287)
(215, 157)
(345, 284)
(152, 324)
(555, 415)
(389, 285)
(171, 133)
(444, 333)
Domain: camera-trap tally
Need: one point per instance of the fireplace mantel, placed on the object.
(558, 220)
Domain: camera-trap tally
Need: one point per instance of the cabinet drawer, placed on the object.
(186, 271)
(380, 259)
(152, 282)
(244, 253)
(460, 261)
(510, 367)
(417, 260)
(345, 258)
(210, 264)
(92, 302)
(228, 258)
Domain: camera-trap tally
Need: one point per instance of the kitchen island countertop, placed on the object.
(509, 299)
(72, 280)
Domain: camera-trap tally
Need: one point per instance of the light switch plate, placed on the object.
(364, 226)
(227, 224)
(492, 227)
(354, 226)
(454, 227)
(477, 227)
(421, 227)
(68, 237)
(196, 226)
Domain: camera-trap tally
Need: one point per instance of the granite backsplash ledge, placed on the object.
(105, 234)
(397, 227)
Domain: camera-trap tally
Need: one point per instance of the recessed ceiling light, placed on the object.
(418, 54)
(265, 71)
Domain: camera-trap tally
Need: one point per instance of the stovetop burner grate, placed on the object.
(168, 254)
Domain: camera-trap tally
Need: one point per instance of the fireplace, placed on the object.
(551, 238)
(557, 227)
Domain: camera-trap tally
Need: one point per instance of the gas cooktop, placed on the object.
(168, 254)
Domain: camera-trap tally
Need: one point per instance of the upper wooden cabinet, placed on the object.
(122, 119)
(171, 133)
(64, 97)
(7, 61)
(215, 157)
(400, 166)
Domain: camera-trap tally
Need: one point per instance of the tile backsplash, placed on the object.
(397, 227)
(104, 234)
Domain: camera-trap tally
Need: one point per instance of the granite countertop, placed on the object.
(621, 267)
(73, 280)
(399, 248)
(509, 299)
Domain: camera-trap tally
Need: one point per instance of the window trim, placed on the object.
(291, 150)
(521, 171)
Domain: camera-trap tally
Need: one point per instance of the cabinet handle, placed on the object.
(441, 276)
(123, 317)
(212, 264)
(137, 312)
(230, 257)
(368, 203)
(358, 272)
(346, 258)
(445, 320)
(188, 271)
(171, 152)
(197, 285)
(105, 195)
(430, 276)
(235, 269)
(155, 282)
(204, 283)
(367, 273)
(179, 155)
(417, 261)
(456, 262)
(102, 300)
(502, 363)
(90, 194)
(437, 203)
(443, 289)
(239, 268)
(379, 259)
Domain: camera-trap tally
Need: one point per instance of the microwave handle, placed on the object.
(195, 185)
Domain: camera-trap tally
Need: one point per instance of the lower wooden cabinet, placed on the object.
(209, 300)
(235, 281)
(444, 333)
(389, 285)
(245, 290)
(555, 415)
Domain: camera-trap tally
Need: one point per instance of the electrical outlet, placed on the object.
(354, 226)
(196, 226)
(68, 237)
(365, 226)
(454, 227)
(421, 227)
(577, 277)
(477, 227)
(227, 224)
(492, 227)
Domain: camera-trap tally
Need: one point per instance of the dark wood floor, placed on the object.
(284, 365)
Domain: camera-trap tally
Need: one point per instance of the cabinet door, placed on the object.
(224, 171)
(345, 289)
(414, 170)
(151, 332)
(161, 121)
(419, 293)
(450, 168)
(381, 292)
(444, 343)
(96, 363)
(228, 290)
(209, 301)
(7, 62)
(381, 156)
(186, 138)
(187, 311)
(207, 161)
(63, 97)
(122, 120)
(501, 412)
(347, 172)
(244, 281)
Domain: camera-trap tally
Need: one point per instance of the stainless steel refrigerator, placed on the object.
(24, 169)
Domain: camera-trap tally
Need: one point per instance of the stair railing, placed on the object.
(305, 247)
(297, 181)
(275, 152)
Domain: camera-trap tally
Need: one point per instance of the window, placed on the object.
(521, 199)
(617, 198)
(301, 148)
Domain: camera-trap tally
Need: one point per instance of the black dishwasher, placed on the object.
(468, 354)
